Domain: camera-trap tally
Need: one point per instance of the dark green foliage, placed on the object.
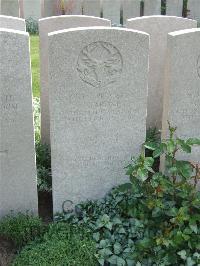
(32, 26)
(21, 228)
(43, 160)
(62, 244)
(154, 219)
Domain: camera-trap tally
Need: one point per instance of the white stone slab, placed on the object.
(98, 108)
(131, 9)
(152, 7)
(18, 188)
(92, 8)
(12, 23)
(10, 8)
(194, 9)
(111, 10)
(182, 93)
(32, 8)
(158, 27)
(174, 8)
(45, 26)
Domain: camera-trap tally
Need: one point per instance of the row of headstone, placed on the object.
(157, 26)
(115, 10)
(97, 88)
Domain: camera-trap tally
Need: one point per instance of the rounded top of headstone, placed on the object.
(73, 17)
(159, 17)
(11, 31)
(187, 31)
(11, 17)
(96, 28)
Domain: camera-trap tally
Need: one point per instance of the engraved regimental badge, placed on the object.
(99, 64)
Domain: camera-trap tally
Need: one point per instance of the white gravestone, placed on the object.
(158, 27)
(131, 9)
(12, 23)
(182, 93)
(152, 7)
(33, 9)
(194, 9)
(98, 97)
(174, 8)
(111, 10)
(10, 8)
(47, 25)
(92, 8)
(18, 186)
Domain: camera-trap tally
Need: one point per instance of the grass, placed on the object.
(62, 244)
(35, 64)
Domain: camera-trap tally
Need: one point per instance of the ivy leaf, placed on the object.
(143, 174)
(184, 146)
(182, 254)
(124, 187)
(117, 248)
(193, 141)
(193, 227)
(105, 252)
(190, 261)
(96, 236)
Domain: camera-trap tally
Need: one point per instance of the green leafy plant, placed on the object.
(62, 244)
(168, 204)
(43, 153)
(21, 228)
(32, 26)
(152, 220)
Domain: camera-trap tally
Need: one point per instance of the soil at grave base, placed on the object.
(7, 251)
(45, 206)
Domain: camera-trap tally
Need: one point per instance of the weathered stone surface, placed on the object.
(98, 92)
(111, 10)
(131, 9)
(194, 9)
(158, 27)
(10, 8)
(47, 25)
(12, 23)
(92, 8)
(182, 93)
(33, 9)
(152, 7)
(18, 189)
(174, 8)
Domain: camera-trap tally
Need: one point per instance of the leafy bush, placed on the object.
(32, 26)
(62, 244)
(43, 161)
(21, 228)
(43, 154)
(154, 219)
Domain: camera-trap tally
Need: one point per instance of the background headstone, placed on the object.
(131, 9)
(111, 10)
(47, 25)
(18, 186)
(152, 7)
(182, 94)
(10, 8)
(97, 108)
(194, 9)
(33, 9)
(12, 23)
(158, 27)
(174, 8)
(92, 8)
